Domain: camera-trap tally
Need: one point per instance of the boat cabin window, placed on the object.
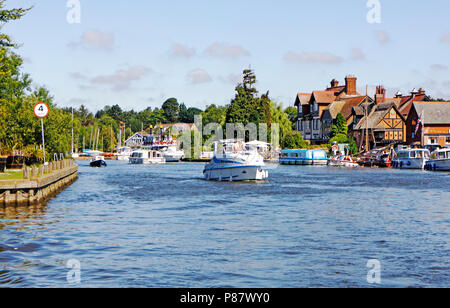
(441, 155)
(403, 155)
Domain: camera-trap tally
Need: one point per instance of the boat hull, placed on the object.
(303, 162)
(438, 165)
(98, 164)
(235, 173)
(146, 161)
(334, 163)
(411, 163)
(173, 158)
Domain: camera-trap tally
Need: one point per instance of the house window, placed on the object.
(433, 140)
(447, 140)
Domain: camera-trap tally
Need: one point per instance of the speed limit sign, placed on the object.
(41, 110)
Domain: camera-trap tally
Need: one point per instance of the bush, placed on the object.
(293, 140)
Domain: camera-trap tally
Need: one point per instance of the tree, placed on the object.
(7, 16)
(292, 113)
(171, 110)
(293, 140)
(339, 127)
(249, 82)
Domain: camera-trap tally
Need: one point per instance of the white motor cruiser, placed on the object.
(170, 152)
(231, 162)
(440, 161)
(411, 159)
(123, 154)
(146, 157)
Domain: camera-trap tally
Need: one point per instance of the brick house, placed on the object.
(436, 121)
(311, 107)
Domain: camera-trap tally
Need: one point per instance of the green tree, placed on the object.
(171, 110)
(339, 127)
(293, 140)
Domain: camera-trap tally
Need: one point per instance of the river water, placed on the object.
(163, 226)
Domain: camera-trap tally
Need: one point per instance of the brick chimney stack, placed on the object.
(334, 83)
(380, 95)
(350, 85)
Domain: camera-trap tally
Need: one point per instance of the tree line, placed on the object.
(20, 130)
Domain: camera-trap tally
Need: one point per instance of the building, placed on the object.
(311, 107)
(403, 102)
(139, 139)
(345, 107)
(382, 124)
(435, 117)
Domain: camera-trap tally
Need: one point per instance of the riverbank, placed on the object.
(38, 184)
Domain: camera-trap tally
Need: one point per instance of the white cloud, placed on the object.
(182, 51)
(77, 75)
(383, 37)
(95, 39)
(313, 57)
(121, 80)
(439, 67)
(222, 50)
(358, 54)
(198, 76)
(446, 38)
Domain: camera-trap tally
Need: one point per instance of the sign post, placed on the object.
(41, 111)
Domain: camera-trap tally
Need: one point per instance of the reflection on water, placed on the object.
(163, 226)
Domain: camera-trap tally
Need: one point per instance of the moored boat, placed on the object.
(342, 161)
(304, 157)
(411, 159)
(170, 152)
(123, 154)
(98, 161)
(233, 163)
(440, 161)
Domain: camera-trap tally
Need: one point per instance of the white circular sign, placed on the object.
(41, 110)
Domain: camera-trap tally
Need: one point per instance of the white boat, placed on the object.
(123, 154)
(146, 157)
(342, 161)
(304, 157)
(440, 161)
(231, 162)
(170, 152)
(411, 159)
(98, 162)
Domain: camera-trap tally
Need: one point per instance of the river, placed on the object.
(164, 226)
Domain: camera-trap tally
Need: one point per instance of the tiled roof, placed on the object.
(350, 103)
(323, 97)
(376, 115)
(434, 112)
(336, 107)
(303, 99)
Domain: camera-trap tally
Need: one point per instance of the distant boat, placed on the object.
(304, 157)
(123, 154)
(170, 152)
(411, 159)
(98, 162)
(441, 161)
(342, 161)
(146, 157)
(233, 163)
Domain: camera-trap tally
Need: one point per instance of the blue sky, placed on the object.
(139, 53)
